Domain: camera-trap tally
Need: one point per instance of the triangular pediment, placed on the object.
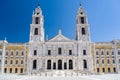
(60, 38)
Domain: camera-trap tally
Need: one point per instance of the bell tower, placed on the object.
(36, 28)
(82, 26)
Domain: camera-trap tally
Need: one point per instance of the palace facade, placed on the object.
(60, 55)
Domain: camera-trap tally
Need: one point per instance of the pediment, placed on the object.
(60, 38)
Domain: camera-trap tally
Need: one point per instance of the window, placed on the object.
(0, 61)
(102, 53)
(84, 64)
(35, 64)
(119, 52)
(16, 70)
(21, 61)
(83, 31)
(10, 70)
(0, 52)
(5, 70)
(96, 52)
(107, 52)
(98, 70)
(37, 20)
(108, 61)
(84, 52)
(65, 65)
(16, 53)
(114, 69)
(103, 69)
(22, 54)
(113, 61)
(16, 61)
(11, 62)
(59, 51)
(102, 61)
(36, 31)
(119, 60)
(108, 69)
(35, 52)
(54, 66)
(21, 70)
(5, 61)
(82, 20)
(49, 52)
(97, 61)
(70, 64)
(6, 53)
(112, 53)
(49, 64)
(70, 52)
(11, 53)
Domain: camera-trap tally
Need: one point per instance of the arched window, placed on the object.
(103, 69)
(59, 64)
(96, 52)
(49, 64)
(35, 64)
(84, 64)
(83, 31)
(108, 69)
(37, 20)
(114, 69)
(70, 64)
(16, 70)
(36, 31)
(82, 20)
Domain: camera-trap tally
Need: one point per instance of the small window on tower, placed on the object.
(83, 31)
(70, 52)
(35, 52)
(36, 31)
(37, 20)
(49, 52)
(82, 20)
(84, 52)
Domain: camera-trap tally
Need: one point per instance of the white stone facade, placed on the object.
(59, 53)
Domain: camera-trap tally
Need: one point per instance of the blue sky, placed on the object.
(16, 17)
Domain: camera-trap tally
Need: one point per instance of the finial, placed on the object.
(60, 32)
(80, 3)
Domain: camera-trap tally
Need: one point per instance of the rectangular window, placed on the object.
(59, 51)
(84, 52)
(11, 62)
(49, 52)
(0, 52)
(35, 52)
(70, 52)
(65, 65)
(21, 61)
(119, 52)
(16, 61)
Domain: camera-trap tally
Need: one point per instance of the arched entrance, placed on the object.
(35, 64)
(59, 64)
(49, 64)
